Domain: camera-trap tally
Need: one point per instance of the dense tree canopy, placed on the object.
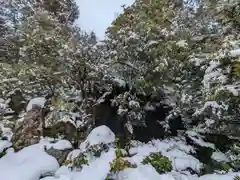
(185, 51)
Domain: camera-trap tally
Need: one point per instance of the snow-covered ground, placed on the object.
(33, 163)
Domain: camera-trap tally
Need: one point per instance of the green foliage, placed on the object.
(161, 163)
(236, 178)
(237, 68)
(97, 149)
(79, 161)
(119, 163)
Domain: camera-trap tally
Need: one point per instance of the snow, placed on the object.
(176, 151)
(62, 177)
(3, 107)
(6, 132)
(234, 89)
(182, 43)
(235, 53)
(60, 145)
(101, 134)
(142, 172)
(102, 98)
(97, 169)
(196, 61)
(220, 157)
(216, 108)
(134, 104)
(67, 119)
(73, 154)
(36, 101)
(119, 81)
(149, 107)
(213, 74)
(28, 164)
(198, 140)
(33, 162)
(228, 176)
(4, 144)
(181, 161)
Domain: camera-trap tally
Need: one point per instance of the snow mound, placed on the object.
(228, 176)
(36, 101)
(98, 169)
(143, 172)
(28, 164)
(176, 151)
(101, 134)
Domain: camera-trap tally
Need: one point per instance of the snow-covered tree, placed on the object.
(185, 48)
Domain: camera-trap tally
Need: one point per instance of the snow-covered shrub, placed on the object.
(161, 163)
(79, 161)
(97, 149)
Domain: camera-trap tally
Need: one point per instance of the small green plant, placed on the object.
(159, 162)
(79, 161)
(119, 163)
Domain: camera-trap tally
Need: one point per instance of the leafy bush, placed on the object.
(159, 162)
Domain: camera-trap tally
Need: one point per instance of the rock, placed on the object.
(155, 113)
(60, 155)
(153, 130)
(105, 114)
(28, 131)
(175, 123)
(65, 129)
(17, 101)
